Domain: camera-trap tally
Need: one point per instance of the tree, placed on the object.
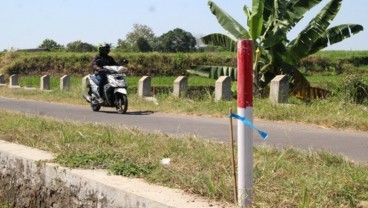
(123, 45)
(143, 45)
(177, 40)
(268, 24)
(50, 44)
(140, 34)
(79, 46)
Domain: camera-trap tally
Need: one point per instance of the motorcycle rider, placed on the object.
(102, 59)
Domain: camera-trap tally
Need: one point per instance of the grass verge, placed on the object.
(283, 178)
(334, 112)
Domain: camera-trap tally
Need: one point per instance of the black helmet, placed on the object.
(104, 48)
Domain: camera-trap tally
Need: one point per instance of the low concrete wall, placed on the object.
(144, 88)
(28, 179)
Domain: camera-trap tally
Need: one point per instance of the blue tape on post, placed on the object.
(263, 134)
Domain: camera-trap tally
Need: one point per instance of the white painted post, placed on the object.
(279, 90)
(13, 81)
(2, 80)
(65, 82)
(45, 82)
(180, 86)
(144, 86)
(84, 83)
(245, 136)
(223, 88)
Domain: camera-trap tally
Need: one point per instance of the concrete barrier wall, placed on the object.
(28, 179)
(222, 86)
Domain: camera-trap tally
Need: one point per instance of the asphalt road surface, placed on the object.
(352, 144)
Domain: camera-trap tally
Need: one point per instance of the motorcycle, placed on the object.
(115, 91)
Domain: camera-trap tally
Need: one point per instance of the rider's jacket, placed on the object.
(102, 60)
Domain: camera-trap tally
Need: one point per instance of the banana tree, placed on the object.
(268, 23)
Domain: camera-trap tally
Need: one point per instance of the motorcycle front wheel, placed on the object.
(122, 104)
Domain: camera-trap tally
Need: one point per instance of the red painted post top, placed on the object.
(245, 73)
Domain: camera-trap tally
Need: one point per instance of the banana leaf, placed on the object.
(228, 23)
(295, 10)
(267, 10)
(302, 45)
(335, 35)
(268, 24)
(255, 20)
(218, 39)
(213, 72)
(339, 33)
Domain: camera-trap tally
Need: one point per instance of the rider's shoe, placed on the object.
(100, 100)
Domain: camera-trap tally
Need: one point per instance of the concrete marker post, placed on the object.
(245, 109)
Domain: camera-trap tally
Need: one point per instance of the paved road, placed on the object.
(352, 144)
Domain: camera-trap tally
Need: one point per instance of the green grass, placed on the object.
(330, 113)
(329, 82)
(282, 178)
(335, 112)
(341, 54)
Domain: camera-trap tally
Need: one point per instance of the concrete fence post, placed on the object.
(84, 83)
(144, 86)
(65, 82)
(180, 86)
(223, 88)
(279, 90)
(13, 81)
(45, 82)
(2, 80)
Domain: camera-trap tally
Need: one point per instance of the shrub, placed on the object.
(316, 64)
(356, 89)
(79, 46)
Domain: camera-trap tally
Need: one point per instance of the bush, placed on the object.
(315, 64)
(79, 46)
(50, 44)
(356, 89)
(151, 64)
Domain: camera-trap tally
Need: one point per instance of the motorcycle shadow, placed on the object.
(134, 113)
(142, 113)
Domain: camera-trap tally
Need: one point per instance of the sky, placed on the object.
(26, 23)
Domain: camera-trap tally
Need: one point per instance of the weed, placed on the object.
(356, 89)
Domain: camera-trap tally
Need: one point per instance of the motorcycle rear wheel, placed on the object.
(122, 104)
(95, 107)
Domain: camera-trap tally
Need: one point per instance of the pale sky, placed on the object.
(26, 23)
